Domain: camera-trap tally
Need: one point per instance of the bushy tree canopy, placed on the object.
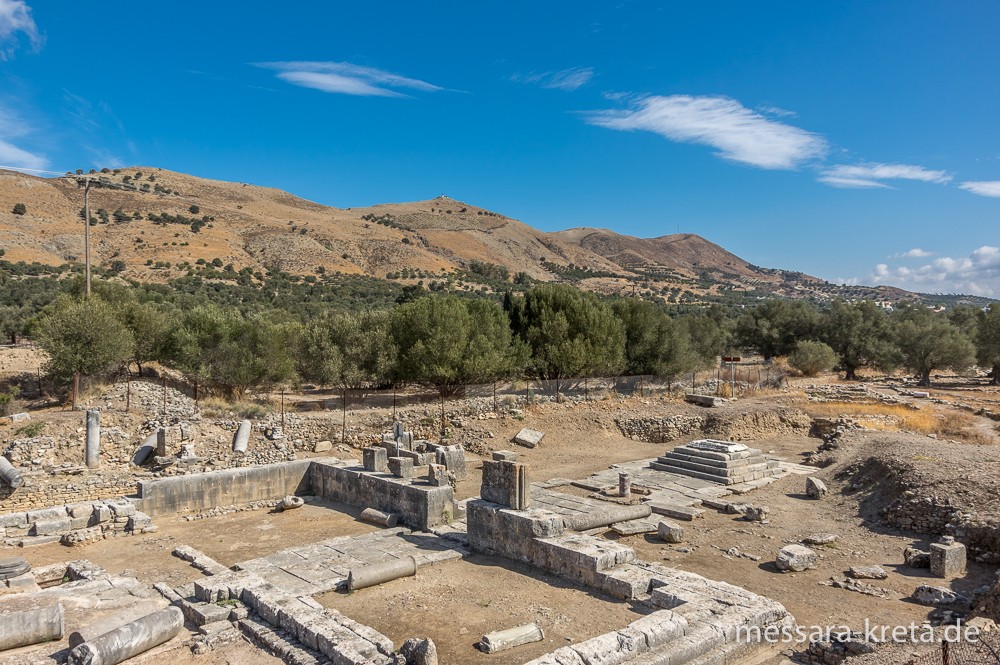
(570, 332)
(82, 338)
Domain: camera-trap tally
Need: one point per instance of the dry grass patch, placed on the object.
(894, 417)
(216, 407)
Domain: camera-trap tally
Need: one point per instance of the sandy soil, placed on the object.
(458, 602)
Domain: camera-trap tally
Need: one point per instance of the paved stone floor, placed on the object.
(322, 566)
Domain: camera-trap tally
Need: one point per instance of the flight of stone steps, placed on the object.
(720, 462)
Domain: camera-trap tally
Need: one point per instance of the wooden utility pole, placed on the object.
(86, 235)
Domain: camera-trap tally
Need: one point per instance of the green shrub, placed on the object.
(811, 358)
(20, 209)
(31, 430)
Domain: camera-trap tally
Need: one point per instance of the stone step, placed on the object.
(676, 511)
(694, 456)
(635, 527)
(715, 455)
(713, 470)
(722, 480)
(699, 641)
(279, 643)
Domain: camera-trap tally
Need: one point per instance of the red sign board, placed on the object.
(731, 359)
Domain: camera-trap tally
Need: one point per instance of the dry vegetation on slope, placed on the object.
(156, 225)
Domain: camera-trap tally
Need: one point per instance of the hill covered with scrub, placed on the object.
(156, 226)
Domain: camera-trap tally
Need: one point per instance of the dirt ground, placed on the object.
(455, 603)
(458, 602)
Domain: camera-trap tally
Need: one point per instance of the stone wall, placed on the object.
(742, 426)
(44, 489)
(418, 504)
(901, 500)
(660, 429)
(202, 491)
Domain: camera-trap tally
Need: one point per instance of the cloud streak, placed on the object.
(347, 79)
(738, 133)
(978, 273)
(915, 253)
(13, 128)
(982, 187)
(567, 80)
(873, 175)
(15, 17)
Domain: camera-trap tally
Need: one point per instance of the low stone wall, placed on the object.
(73, 524)
(42, 489)
(660, 429)
(419, 505)
(228, 487)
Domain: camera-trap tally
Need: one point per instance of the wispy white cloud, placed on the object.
(870, 175)
(738, 133)
(564, 79)
(978, 274)
(15, 17)
(14, 128)
(982, 187)
(915, 253)
(777, 110)
(98, 130)
(347, 78)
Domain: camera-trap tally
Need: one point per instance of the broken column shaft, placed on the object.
(129, 640)
(242, 438)
(29, 621)
(93, 445)
(379, 573)
(9, 474)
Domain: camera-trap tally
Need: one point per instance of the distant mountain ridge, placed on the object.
(154, 225)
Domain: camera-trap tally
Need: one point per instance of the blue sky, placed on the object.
(854, 141)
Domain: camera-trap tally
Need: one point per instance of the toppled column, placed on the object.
(506, 483)
(93, 445)
(373, 516)
(501, 640)
(129, 640)
(30, 621)
(605, 516)
(9, 474)
(148, 447)
(379, 573)
(242, 437)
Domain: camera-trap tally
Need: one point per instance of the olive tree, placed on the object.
(82, 339)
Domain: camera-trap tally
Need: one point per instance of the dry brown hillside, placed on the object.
(154, 225)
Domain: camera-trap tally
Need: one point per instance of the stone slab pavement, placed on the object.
(323, 566)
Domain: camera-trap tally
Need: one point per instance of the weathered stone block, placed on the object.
(936, 596)
(507, 484)
(948, 558)
(401, 467)
(529, 438)
(438, 475)
(867, 573)
(815, 488)
(670, 532)
(453, 459)
(51, 527)
(375, 459)
(795, 558)
(55, 512)
(504, 456)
